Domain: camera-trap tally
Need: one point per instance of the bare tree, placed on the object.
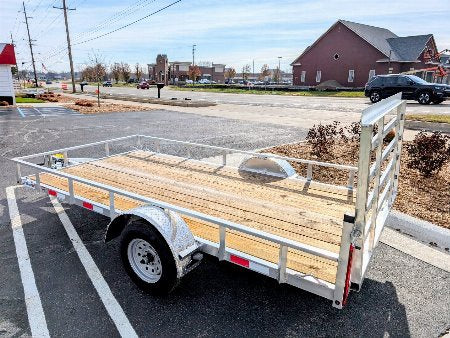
(98, 71)
(265, 72)
(245, 71)
(230, 73)
(115, 71)
(138, 71)
(194, 72)
(125, 71)
(276, 75)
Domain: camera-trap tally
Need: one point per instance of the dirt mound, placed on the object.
(330, 84)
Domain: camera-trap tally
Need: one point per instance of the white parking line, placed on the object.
(36, 316)
(114, 309)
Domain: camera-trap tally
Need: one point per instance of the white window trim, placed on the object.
(303, 76)
(318, 75)
(351, 75)
(372, 73)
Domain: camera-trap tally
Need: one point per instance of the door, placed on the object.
(390, 86)
(406, 86)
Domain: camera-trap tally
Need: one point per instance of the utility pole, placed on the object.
(193, 55)
(30, 44)
(279, 69)
(253, 70)
(69, 48)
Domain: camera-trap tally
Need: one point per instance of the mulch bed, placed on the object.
(425, 198)
(84, 108)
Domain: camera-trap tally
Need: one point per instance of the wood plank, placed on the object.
(288, 208)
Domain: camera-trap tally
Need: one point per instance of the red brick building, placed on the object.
(165, 71)
(351, 53)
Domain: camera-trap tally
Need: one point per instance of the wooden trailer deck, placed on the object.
(307, 213)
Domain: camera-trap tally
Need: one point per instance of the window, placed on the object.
(390, 70)
(390, 80)
(303, 76)
(403, 81)
(371, 74)
(318, 75)
(351, 75)
(336, 56)
(411, 69)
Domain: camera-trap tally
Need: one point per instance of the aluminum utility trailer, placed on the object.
(169, 209)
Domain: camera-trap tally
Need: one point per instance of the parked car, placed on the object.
(412, 88)
(189, 82)
(107, 84)
(143, 85)
(48, 82)
(204, 81)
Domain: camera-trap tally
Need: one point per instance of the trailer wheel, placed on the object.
(148, 259)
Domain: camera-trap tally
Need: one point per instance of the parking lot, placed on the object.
(401, 296)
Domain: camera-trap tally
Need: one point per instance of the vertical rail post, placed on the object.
(65, 158)
(376, 188)
(309, 172)
(38, 182)
(344, 269)
(401, 110)
(18, 173)
(224, 158)
(71, 191)
(106, 149)
(139, 141)
(282, 264)
(222, 242)
(365, 146)
(112, 209)
(158, 146)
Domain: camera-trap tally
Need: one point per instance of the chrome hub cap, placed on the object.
(424, 97)
(144, 260)
(375, 97)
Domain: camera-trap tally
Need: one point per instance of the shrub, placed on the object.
(4, 103)
(428, 153)
(84, 103)
(322, 138)
(390, 136)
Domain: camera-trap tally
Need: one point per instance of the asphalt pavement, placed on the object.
(401, 296)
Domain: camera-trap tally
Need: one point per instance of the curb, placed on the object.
(178, 103)
(421, 230)
(427, 126)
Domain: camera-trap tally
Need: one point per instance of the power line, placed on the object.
(128, 25)
(115, 30)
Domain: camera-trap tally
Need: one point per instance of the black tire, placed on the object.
(437, 101)
(141, 230)
(424, 98)
(375, 96)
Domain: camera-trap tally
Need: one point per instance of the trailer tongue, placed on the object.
(169, 210)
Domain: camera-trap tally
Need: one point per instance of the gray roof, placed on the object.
(408, 48)
(376, 36)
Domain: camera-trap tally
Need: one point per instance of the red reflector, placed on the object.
(239, 260)
(88, 205)
(52, 192)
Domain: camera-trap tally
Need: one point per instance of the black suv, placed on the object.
(412, 88)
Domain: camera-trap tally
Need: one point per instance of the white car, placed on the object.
(204, 81)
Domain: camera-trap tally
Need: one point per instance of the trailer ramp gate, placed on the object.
(315, 236)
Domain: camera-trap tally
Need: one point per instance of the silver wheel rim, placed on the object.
(424, 97)
(144, 260)
(375, 96)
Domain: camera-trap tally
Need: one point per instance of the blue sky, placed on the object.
(231, 32)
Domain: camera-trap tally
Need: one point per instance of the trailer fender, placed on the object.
(169, 224)
(267, 166)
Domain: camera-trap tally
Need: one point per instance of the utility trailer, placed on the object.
(170, 209)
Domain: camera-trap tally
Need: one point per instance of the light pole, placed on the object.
(279, 69)
(193, 55)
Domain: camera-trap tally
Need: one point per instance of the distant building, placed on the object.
(352, 53)
(165, 71)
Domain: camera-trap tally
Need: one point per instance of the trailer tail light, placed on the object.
(52, 192)
(240, 261)
(88, 205)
